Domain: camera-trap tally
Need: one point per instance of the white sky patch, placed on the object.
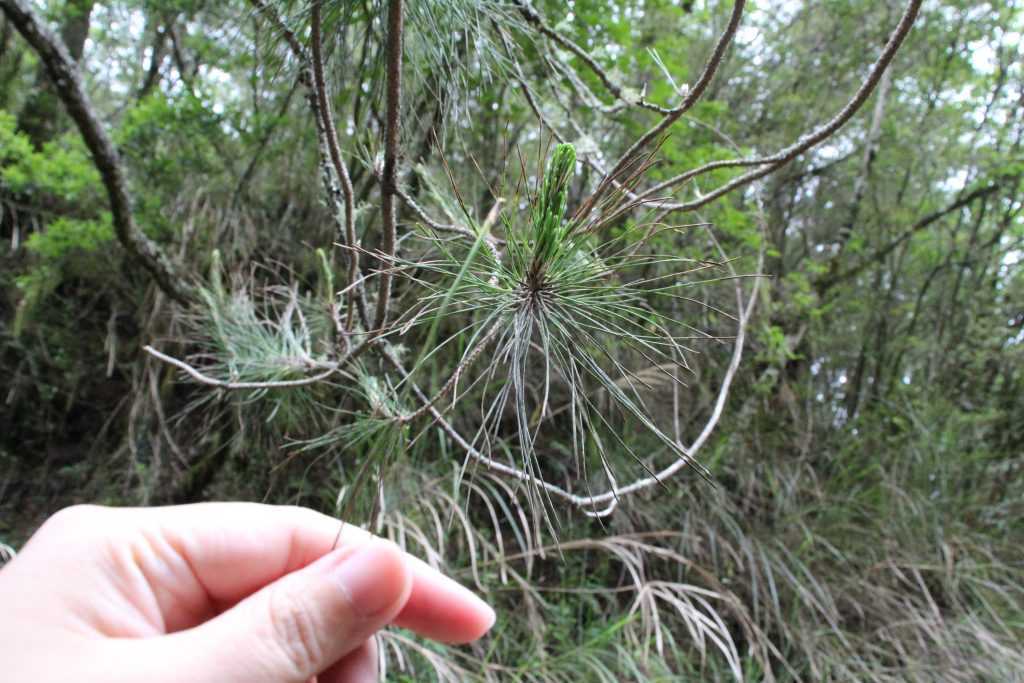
(222, 86)
(835, 148)
(956, 182)
(983, 56)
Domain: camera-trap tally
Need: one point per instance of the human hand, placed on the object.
(215, 592)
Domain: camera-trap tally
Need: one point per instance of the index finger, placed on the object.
(234, 549)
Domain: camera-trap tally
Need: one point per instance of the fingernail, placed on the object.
(373, 576)
(492, 616)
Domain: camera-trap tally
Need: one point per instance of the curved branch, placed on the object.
(221, 384)
(534, 18)
(806, 142)
(694, 94)
(63, 72)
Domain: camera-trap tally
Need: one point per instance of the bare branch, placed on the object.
(389, 184)
(63, 73)
(221, 384)
(694, 94)
(330, 135)
(589, 159)
(282, 28)
(342, 199)
(454, 379)
(432, 223)
(533, 17)
(771, 163)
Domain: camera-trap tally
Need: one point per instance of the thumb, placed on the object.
(297, 626)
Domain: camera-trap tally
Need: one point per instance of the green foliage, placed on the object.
(66, 236)
(172, 143)
(61, 171)
(171, 138)
(62, 176)
(14, 145)
(68, 248)
(34, 286)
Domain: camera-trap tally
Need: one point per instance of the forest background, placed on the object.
(783, 252)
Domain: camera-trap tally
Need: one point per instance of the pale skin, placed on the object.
(216, 592)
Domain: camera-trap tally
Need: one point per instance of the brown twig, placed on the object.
(534, 18)
(389, 184)
(454, 379)
(589, 159)
(282, 28)
(332, 165)
(334, 150)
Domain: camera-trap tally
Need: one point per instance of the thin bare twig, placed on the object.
(432, 223)
(341, 197)
(454, 379)
(589, 159)
(835, 276)
(222, 384)
(282, 28)
(533, 17)
(334, 150)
